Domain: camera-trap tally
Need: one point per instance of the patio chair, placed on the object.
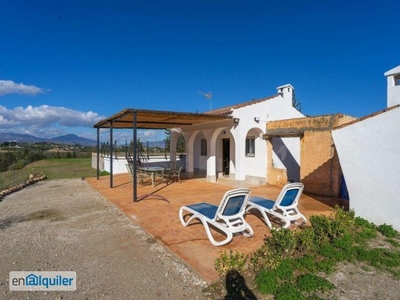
(175, 174)
(228, 217)
(167, 170)
(142, 177)
(285, 206)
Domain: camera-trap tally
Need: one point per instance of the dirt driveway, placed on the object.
(64, 225)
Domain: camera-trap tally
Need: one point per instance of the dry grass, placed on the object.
(52, 168)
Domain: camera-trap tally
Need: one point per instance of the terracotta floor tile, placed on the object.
(190, 244)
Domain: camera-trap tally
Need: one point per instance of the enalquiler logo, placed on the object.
(42, 281)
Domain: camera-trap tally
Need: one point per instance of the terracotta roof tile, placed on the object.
(368, 116)
(228, 109)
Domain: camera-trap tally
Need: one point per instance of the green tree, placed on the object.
(167, 140)
(295, 102)
(181, 144)
(6, 160)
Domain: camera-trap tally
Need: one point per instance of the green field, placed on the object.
(52, 168)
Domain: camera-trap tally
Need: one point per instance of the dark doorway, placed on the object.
(225, 156)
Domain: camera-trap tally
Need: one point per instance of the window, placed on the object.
(203, 151)
(397, 80)
(250, 146)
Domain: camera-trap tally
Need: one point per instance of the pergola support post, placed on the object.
(98, 153)
(134, 156)
(111, 154)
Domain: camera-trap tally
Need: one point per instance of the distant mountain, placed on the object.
(73, 139)
(20, 138)
(70, 139)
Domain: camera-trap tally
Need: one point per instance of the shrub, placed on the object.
(289, 291)
(387, 230)
(264, 257)
(362, 223)
(232, 260)
(361, 254)
(331, 252)
(345, 242)
(326, 229)
(313, 283)
(285, 270)
(283, 242)
(365, 234)
(18, 165)
(365, 230)
(326, 265)
(267, 282)
(306, 263)
(383, 258)
(34, 156)
(345, 218)
(305, 239)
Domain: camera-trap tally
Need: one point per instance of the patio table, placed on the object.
(153, 171)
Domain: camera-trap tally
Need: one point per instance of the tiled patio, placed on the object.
(190, 244)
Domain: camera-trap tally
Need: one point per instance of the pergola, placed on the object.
(131, 118)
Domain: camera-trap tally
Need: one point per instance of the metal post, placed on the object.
(98, 153)
(111, 154)
(134, 156)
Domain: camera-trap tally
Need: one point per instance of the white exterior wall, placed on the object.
(277, 108)
(242, 168)
(287, 156)
(256, 166)
(118, 165)
(201, 162)
(393, 96)
(393, 87)
(369, 155)
(120, 162)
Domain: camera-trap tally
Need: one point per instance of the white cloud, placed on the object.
(149, 134)
(123, 136)
(45, 118)
(49, 121)
(10, 87)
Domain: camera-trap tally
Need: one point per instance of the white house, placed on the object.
(369, 151)
(235, 148)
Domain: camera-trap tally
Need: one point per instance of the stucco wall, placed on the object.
(369, 155)
(393, 95)
(200, 164)
(275, 176)
(286, 156)
(255, 168)
(393, 86)
(320, 170)
(319, 164)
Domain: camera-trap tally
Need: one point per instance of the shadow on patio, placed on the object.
(190, 244)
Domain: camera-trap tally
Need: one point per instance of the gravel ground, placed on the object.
(64, 225)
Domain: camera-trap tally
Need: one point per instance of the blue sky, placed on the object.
(64, 65)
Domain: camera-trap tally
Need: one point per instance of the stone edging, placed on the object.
(32, 179)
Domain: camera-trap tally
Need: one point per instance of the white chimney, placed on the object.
(393, 86)
(286, 91)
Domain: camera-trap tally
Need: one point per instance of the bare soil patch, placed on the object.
(64, 225)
